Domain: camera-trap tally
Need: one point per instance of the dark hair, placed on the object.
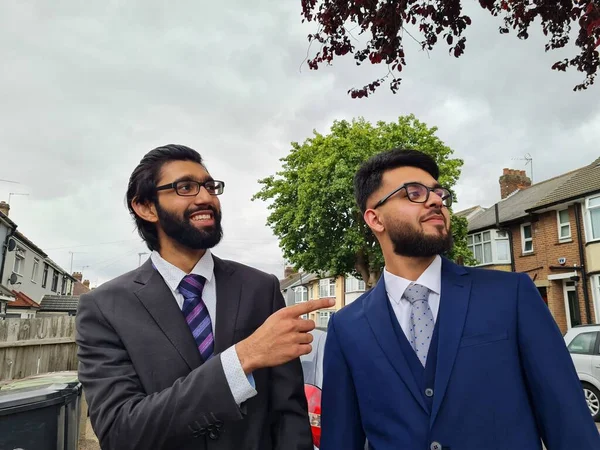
(368, 178)
(142, 184)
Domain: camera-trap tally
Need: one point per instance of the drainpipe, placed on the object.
(4, 250)
(510, 239)
(584, 277)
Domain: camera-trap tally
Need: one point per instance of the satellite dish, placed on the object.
(13, 278)
(11, 245)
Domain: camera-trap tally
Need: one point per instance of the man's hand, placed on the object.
(283, 337)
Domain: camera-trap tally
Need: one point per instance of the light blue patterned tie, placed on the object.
(421, 320)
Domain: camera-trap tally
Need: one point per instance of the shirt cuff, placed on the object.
(242, 387)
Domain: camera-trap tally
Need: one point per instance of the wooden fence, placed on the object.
(36, 346)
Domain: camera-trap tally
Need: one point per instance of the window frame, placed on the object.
(303, 291)
(563, 224)
(588, 222)
(330, 284)
(20, 253)
(524, 240)
(35, 270)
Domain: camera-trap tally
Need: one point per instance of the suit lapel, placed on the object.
(378, 316)
(229, 292)
(454, 303)
(158, 300)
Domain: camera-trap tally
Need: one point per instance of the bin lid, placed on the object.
(40, 380)
(38, 391)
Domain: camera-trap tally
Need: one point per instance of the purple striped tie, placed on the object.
(196, 314)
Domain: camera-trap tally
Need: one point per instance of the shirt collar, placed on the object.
(431, 278)
(173, 274)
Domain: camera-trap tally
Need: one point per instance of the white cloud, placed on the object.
(89, 88)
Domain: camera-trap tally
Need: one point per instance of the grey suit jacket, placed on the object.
(147, 386)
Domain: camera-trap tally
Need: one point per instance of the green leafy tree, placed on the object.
(313, 210)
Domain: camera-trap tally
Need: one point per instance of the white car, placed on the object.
(583, 343)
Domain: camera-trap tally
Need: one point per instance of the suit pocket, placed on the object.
(485, 338)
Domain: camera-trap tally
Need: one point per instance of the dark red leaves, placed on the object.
(384, 21)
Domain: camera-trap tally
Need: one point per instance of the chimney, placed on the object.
(86, 283)
(4, 208)
(78, 276)
(511, 180)
(288, 272)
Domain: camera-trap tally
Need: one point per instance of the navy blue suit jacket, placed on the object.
(504, 378)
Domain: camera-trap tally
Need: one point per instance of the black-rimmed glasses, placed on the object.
(189, 188)
(419, 193)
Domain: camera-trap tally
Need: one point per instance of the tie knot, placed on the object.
(191, 285)
(416, 292)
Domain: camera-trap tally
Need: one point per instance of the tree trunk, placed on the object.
(369, 276)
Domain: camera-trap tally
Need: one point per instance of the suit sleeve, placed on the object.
(340, 417)
(122, 414)
(564, 420)
(291, 428)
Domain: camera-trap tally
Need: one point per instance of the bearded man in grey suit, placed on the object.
(190, 351)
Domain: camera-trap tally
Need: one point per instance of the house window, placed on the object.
(63, 287)
(480, 245)
(527, 238)
(45, 276)
(300, 294)
(327, 287)
(54, 281)
(564, 225)
(593, 213)
(324, 317)
(353, 284)
(19, 261)
(34, 272)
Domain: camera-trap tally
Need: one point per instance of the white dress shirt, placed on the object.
(242, 386)
(395, 286)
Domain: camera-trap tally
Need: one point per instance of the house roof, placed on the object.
(5, 292)
(298, 280)
(517, 204)
(466, 212)
(5, 218)
(585, 181)
(21, 237)
(23, 301)
(59, 303)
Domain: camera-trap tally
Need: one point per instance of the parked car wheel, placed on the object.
(592, 397)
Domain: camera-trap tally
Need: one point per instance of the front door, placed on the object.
(571, 304)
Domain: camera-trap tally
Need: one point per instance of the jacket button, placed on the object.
(213, 434)
(435, 446)
(429, 392)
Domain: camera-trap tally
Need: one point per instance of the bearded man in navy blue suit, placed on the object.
(438, 356)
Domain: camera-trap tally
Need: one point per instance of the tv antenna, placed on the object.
(529, 160)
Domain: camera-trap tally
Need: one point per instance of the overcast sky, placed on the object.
(87, 89)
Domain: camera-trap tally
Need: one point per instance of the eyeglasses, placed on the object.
(188, 188)
(419, 193)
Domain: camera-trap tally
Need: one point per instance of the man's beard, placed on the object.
(186, 234)
(412, 242)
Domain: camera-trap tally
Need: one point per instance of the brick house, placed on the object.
(551, 231)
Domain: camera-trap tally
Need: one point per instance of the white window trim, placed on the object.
(300, 290)
(494, 239)
(528, 252)
(331, 283)
(19, 256)
(588, 219)
(35, 270)
(350, 280)
(560, 225)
